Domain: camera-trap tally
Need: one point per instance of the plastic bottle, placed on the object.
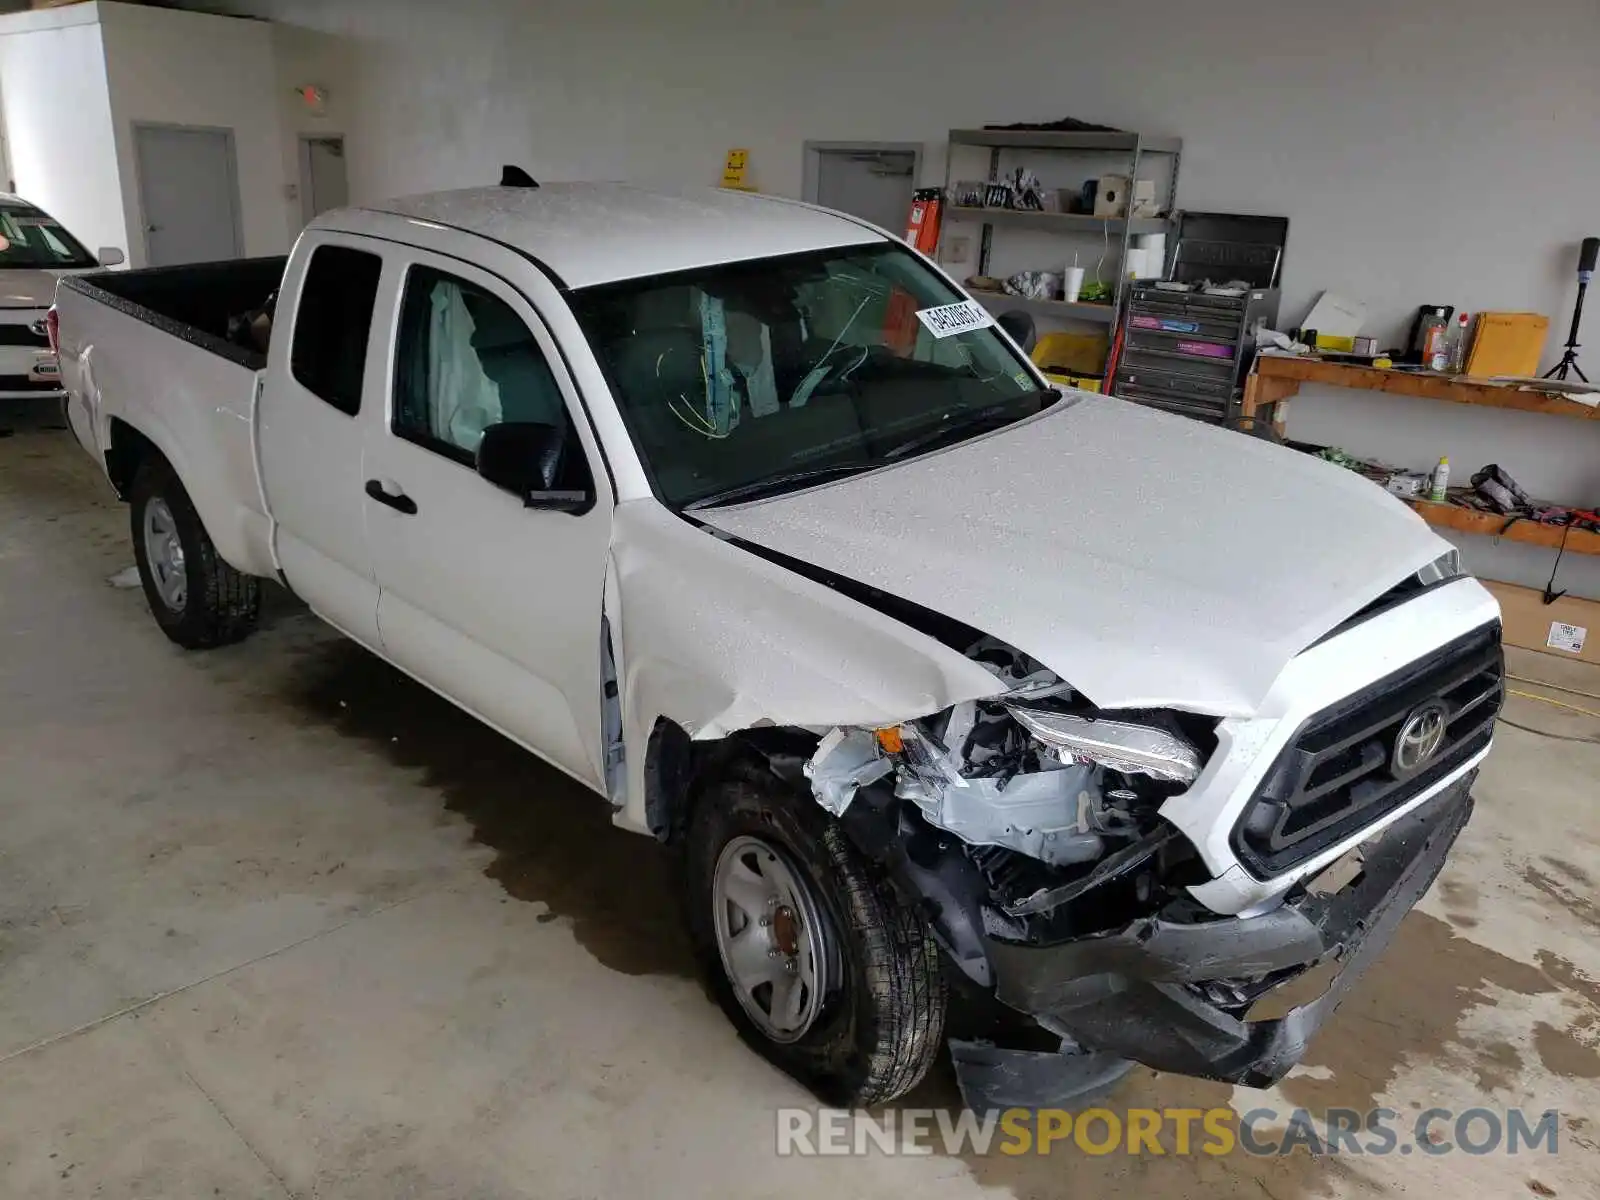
(1430, 339)
(1457, 345)
(1441, 481)
(1435, 348)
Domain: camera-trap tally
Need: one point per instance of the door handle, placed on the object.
(401, 503)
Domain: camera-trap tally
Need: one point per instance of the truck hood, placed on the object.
(1149, 560)
(23, 288)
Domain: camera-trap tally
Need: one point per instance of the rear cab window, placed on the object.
(333, 324)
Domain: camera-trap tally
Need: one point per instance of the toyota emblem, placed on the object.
(1420, 737)
(40, 329)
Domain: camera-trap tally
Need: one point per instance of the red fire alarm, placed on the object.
(315, 98)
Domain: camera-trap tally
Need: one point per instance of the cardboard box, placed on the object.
(1111, 197)
(1569, 628)
(1506, 343)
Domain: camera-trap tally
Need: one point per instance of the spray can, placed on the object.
(1441, 481)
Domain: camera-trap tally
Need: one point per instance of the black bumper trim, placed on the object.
(1129, 993)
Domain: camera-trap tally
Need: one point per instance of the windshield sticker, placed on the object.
(950, 319)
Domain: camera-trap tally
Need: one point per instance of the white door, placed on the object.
(875, 185)
(189, 190)
(325, 184)
(329, 379)
(494, 603)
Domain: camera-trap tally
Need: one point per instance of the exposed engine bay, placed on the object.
(1049, 800)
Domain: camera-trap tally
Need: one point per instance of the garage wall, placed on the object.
(181, 68)
(1423, 153)
(58, 121)
(304, 57)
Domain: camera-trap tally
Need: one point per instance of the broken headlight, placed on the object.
(1446, 566)
(1120, 745)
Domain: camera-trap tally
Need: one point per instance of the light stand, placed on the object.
(1587, 255)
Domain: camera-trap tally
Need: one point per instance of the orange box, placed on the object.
(1507, 343)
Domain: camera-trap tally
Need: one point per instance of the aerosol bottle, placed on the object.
(1441, 481)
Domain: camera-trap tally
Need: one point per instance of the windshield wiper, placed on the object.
(966, 423)
(774, 485)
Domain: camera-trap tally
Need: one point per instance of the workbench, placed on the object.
(1277, 377)
(1528, 617)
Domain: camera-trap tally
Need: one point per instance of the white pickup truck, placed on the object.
(944, 685)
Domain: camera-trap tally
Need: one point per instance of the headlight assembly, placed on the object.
(1446, 566)
(1120, 745)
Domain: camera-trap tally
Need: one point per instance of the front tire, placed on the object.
(821, 967)
(199, 601)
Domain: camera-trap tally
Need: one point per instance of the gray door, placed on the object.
(873, 185)
(190, 191)
(324, 182)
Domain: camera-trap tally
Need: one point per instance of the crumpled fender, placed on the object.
(719, 639)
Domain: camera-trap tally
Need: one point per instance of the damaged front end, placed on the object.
(1043, 800)
(1028, 830)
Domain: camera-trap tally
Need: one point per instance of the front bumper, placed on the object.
(29, 373)
(1148, 992)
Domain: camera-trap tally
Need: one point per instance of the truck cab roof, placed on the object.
(595, 233)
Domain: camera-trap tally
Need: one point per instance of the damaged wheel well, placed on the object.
(677, 768)
(128, 451)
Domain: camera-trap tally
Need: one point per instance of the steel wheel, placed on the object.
(164, 551)
(775, 945)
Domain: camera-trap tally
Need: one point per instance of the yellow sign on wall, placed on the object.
(736, 171)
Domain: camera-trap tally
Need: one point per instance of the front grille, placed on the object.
(21, 383)
(22, 335)
(1338, 774)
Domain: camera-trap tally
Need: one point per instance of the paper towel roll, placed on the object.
(1154, 246)
(1133, 264)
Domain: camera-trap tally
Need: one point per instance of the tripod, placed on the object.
(1569, 360)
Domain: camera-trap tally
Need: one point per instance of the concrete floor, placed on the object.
(275, 921)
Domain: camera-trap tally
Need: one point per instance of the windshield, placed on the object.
(32, 238)
(759, 377)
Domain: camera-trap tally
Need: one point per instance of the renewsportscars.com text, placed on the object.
(1162, 1131)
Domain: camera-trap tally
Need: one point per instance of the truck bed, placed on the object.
(145, 355)
(191, 302)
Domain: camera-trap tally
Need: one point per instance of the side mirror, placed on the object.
(525, 459)
(110, 256)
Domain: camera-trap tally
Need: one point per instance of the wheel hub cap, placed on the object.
(164, 552)
(774, 943)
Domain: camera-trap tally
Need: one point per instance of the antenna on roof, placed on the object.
(516, 177)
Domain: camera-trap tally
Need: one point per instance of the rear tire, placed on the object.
(199, 601)
(880, 1021)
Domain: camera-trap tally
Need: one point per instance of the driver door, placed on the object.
(495, 604)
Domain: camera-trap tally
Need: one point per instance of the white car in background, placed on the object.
(35, 251)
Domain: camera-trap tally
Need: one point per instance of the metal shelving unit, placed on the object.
(1049, 222)
(1133, 147)
(1078, 310)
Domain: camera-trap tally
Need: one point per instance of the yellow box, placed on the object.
(1507, 343)
(1084, 383)
(1080, 354)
